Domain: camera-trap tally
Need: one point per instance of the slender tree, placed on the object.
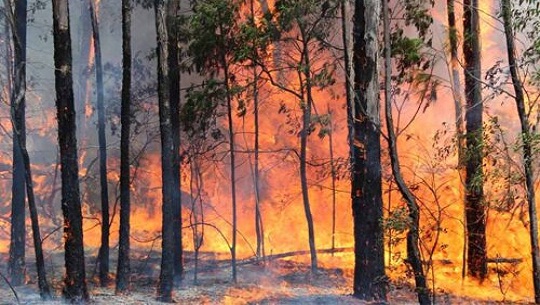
(18, 20)
(167, 246)
(213, 46)
(259, 227)
(367, 206)
(174, 87)
(304, 24)
(103, 255)
(458, 103)
(123, 268)
(475, 209)
(413, 248)
(527, 147)
(75, 280)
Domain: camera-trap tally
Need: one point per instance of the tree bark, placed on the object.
(366, 187)
(123, 269)
(102, 143)
(17, 20)
(475, 208)
(174, 76)
(166, 276)
(75, 280)
(527, 150)
(413, 249)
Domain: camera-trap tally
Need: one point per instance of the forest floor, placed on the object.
(278, 281)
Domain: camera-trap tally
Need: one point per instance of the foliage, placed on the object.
(213, 28)
(526, 17)
(199, 113)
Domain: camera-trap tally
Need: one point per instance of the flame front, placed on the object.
(436, 180)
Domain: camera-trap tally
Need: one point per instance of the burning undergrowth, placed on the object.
(281, 279)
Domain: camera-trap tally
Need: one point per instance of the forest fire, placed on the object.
(266, 107)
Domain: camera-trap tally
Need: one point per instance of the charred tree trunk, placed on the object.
(369, 275)
(102, 142)
(166, 276)
(123, 269)
(413, 249)
(527, 149)
(17, 21)
(44, 290)
(174, 77)
(475, 208)
(75, 280)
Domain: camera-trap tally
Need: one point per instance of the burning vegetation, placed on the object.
(269, 152)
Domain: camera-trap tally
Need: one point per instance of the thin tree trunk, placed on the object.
(44, 290)
(17, 21)
(475, 208)
(413, 249)
(102, 142)
(458, 107)
(82, 67)
(366, 187)
(304, 134)
(232, 167)
(174, 76)
(333, 177)
(527, 137)
(166, 276)
(123, 268)
(259, 228)
(75, 280)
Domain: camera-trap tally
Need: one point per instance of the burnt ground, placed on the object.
(275, 282)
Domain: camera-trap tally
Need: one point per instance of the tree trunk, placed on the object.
(44, 290)
(333, 177)
(75, 280)
(17, 21)
(259, 227)
(527, 137)
(233, 165)
(475, 208)
(413, 248)
(304, 134)
(123, 269)
(102, 142)
(174, 76)
(458, 106)
(369, 274)
(83, 68)
(166, 276)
